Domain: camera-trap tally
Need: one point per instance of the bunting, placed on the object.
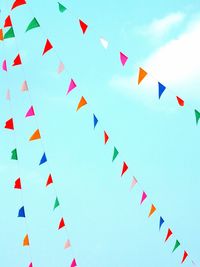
(21, 212)
(4, 66)
(81, 103)
(48, 46)
(33, 24)
(152, 210)
(30, 112)
(18, 3)
(26, 241)
(161, 222)
(83, 26)
(67, 244)
(1, 35)
(123, 58)
(8, 22)
(104, 42)
(142, 75)
(9, 124)
(73, 264)
(61, 7)
(43, 159)
(169, 233)
(17, 61)
(61, 67)
(14, 154)
(115, 153)
(24, 86)
(124, 168)
(144, 196)
(35, 136)
(161, 89)
(56, 204)
(177, 244)
(185, 255)
(49, 180)
(61, 224)
(133, 183)
(8, 95)
(9, 34)
(17, 184)
(95, 121)
(180, 101)
(106, 137)
(71, 87)
(197, 115)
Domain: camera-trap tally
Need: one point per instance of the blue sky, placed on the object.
(157, 138)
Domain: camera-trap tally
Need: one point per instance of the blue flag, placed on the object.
(21, 212)
(161, 222)
(95, 120)
(43, 159)
(161, 89)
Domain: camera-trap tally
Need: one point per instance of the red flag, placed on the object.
(169, 233)
(18, 3)
(185, 254)
(83, 26)
(9, 124)
(124, 168)
(8, 22)
(61, 224)
(18, 184)
(48, 46)
(17, 61)
(49, 180)
(106, 137)
(180, 101)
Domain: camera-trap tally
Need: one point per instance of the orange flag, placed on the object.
(36, 135)
(142, 75)
(1, 35)
(26, 241)
(81, 103)
(152, 210)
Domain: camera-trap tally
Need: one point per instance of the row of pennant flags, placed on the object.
(9, 124)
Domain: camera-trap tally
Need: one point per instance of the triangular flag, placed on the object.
(61, 7)
(56, 204)
(144, 196)
(36, 135)
(30, 112)
(106, 137)
(67, 244)
(134, 182)
(185, 254)
(17, 184)
(48, 46)
(33, 24)
(124, 168)
(161, 222)
(142, 75)
(81, 103)
(26, 241)
(61, 224)
(49, 180)
(30, 265)
(61, 67)
(18, 3)
(9, 34)
(21, 212)
(24, 86)
(197, 115)
(4, 66)
(1, 35)
(8, 94)
(43, 159)
(177, 244)
(104, 43)
(95, 120)
(169, 233)
(180, 101)
(8, 22)
(9, 124)
(73, 264)
(71, 87)
(14, 154)
(152, 210)
(123, 58)
(161, 89)
(115, 153)
(17, 61)
(83, 26)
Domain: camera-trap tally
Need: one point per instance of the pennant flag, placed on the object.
(49, 180)
(17, 61)
(161, 89)
(73, 264)
(61, 7)
(177, 244)
(21, 212)
(104, 43)
(14, 154)
(8, 95)
(142, 75)
(180, 101)
(152, 210)
(48, 46)
(26, 241)
(106, 137)
(36, 135)
(9, 34)
(115, 153)
(67, 244)
(71, 87)
(18, 184)
(61, 68)
(43, 159)
(134, 182)
(123, 58)
(30, 265)
(8, 22)
(30, 112)
(169, 233)
(81, 103)
(24, 86)
(4, 66)
(9, 124)
(83, 26)
(161, 222)
(124, 168)
(185, 254)
(95, 120)
(61, 224)
(197, 114)
(18, 3)
(56, 204)
(144, 196)
(1, 35)
(33, 24)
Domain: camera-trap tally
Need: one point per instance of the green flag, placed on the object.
(33, 24)
(14, 154)
(56, 204)
(197, 114)
(9, 33)
(61, 7)
(115, 153)
(177, 244)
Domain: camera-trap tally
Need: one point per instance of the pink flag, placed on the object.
(134, 182)
(61, 67)
(123, 58)
(24, 86)
(8, 95)
(144, 196)
(4, 66)
(72, 85)
(73, 264)
(67, 244)
(30, 112)
(30, 265)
